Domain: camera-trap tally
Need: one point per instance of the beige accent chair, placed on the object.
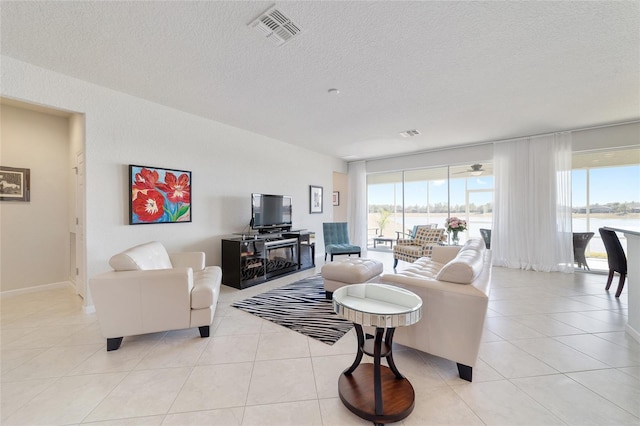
(454, 285)
(421, 245)
(150, 290)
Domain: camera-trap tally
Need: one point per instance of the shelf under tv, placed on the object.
(249, 260)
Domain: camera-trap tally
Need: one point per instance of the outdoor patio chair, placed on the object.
(616, 257)
(580, 242)
(486, 236)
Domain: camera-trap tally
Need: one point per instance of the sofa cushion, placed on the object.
(465, 267)
(423, 268)
(351, 270)
(144, 257)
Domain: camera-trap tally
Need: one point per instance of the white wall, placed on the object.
(227, 165)
(340, 184)
(35, 234)
(615, 136)
(436, 158)
(624, 135)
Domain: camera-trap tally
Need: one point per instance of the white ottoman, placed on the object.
(349, 271)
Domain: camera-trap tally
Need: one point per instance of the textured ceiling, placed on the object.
(459, 72)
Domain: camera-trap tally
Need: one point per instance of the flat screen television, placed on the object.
(270, 212)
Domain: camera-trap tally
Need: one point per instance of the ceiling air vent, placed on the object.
(409, 133)
(276, 26)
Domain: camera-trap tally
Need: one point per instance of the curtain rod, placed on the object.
(582, 129)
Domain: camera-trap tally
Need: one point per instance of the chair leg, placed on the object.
(465, 372)
(204, 331)
(113, 343)
(609, 280)
(395, 263)
(325, 257)
(620, 284)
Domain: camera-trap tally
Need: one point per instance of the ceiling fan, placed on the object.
(475, 170)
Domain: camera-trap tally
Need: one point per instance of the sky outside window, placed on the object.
(614, 184)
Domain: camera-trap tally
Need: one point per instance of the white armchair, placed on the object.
(150, 290)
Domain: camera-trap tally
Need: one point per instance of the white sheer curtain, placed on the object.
(532, 206)
(357, 206)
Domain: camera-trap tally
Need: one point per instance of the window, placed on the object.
(426, 192)
(605, 192)
(384, 192)
(428, 197)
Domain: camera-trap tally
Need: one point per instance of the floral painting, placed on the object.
(159, 195)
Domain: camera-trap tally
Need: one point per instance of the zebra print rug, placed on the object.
(300, 306)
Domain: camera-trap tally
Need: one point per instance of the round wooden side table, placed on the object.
(373, 391)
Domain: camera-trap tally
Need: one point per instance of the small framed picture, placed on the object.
(15, 184)
(336, 198)
(315, 199)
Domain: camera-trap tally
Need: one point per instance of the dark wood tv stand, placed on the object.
(252, 259)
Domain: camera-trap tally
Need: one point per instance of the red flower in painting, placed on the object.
(148, 205)
(146, 179)
(177, 189)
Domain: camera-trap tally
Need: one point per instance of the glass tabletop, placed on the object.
(377, 305)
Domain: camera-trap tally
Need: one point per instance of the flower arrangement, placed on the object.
(455, 224)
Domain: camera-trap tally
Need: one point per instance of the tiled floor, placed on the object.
(554, 352)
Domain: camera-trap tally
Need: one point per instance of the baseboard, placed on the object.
(37, 288)
(633, 333)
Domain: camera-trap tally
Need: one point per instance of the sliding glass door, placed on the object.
(427, 197)
(605, 192)
(386, 203)
(399, 201)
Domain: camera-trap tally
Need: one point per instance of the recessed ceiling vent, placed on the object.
(409, 133)
(276, 26)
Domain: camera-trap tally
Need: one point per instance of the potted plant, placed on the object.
(382, 220)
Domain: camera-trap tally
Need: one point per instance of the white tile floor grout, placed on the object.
(554, 352)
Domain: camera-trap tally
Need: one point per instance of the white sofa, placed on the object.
(454, 284)
(150, 290)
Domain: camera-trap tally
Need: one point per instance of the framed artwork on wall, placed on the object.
(159, 195)
(315, 199)
(336, 198)
(15, 184)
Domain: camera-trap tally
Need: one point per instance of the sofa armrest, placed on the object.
(188, 259)
(443, 254)
(137, 302)
(206, 287)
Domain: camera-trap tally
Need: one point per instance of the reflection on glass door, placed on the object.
(472, 198)
(480, 216)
